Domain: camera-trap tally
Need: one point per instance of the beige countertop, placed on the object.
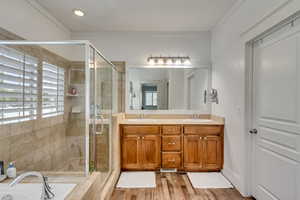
(173, 121)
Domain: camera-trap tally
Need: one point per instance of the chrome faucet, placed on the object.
(46, 191)
(195, 116)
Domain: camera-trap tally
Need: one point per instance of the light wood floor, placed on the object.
(172, 186)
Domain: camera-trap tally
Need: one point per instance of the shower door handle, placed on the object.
(102, 126)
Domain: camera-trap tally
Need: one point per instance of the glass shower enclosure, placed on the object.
(60, 97)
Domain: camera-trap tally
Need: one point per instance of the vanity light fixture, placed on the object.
(169, 62)
(78, 12)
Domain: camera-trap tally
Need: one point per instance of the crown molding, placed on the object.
(34, 4)
(229, 13)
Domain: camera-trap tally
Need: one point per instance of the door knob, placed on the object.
(253, 131)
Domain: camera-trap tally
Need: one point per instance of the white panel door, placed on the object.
(276, 110)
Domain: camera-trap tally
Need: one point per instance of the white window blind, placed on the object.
(18, 86)
(53, 90)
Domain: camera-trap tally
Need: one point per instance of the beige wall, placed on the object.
(43, 144)
(34, 145)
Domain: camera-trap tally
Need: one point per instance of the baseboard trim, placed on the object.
(235, 179)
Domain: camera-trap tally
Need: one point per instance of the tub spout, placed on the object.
(46, 191)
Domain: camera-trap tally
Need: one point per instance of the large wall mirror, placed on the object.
(167, 89)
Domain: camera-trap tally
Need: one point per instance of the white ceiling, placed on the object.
(138, 15)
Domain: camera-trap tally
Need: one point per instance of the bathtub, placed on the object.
(32, 191)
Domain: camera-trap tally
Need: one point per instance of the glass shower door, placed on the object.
(102, 104)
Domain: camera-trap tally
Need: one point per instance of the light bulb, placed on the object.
(169, 61)
(151, 61)
(187, 62)
(161, 61)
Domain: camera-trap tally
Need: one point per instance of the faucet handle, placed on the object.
(47, 189)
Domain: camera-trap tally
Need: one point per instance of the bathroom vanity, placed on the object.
(182, 144)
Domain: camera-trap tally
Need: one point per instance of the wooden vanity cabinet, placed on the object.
(172, 147)
(131, 152)
(212, 146)
(203, 148)
(171, 160)
(141, 147)
(150, 148)
(193, 153)
(181, 147)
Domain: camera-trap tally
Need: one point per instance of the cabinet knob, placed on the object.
(173, 143)
(143, 137)
(200, 138)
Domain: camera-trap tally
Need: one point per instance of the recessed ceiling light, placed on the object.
(78, 12)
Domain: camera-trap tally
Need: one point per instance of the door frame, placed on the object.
(249, 95)
(249, 100)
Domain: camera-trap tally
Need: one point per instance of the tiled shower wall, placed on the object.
(34, 145)
(43, 144)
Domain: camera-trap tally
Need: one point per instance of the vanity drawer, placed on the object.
(146, 130)
(171, 160)
(202, 129)
(171, 130)
(171, 143)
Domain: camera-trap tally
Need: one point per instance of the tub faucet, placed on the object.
(46, 191)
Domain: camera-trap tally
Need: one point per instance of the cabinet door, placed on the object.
(131, 152)
(193, 153)
(151, 147)
(212, 152)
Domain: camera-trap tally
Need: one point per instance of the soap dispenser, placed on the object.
(11, 171)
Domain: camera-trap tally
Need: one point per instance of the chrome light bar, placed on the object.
(169, 61)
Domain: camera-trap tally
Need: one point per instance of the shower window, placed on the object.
(18, 86)
(53, 90)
